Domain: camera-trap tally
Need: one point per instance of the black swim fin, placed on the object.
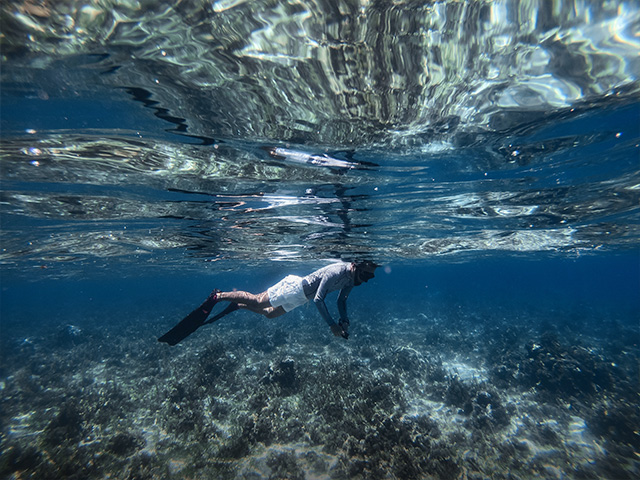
(232, 307)
(191, 322)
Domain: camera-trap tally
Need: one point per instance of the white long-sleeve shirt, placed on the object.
(338, 276)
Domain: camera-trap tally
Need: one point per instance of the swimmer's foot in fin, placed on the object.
(191, 322)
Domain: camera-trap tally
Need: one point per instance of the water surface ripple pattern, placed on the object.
(316, 129)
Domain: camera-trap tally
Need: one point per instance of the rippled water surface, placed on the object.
(187, 132)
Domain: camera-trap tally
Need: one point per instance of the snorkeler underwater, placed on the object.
(283, 297)
(412, 230)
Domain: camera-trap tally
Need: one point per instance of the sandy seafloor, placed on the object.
(447, 386)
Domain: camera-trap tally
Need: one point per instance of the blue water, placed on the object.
(485, 155)
(607, 285)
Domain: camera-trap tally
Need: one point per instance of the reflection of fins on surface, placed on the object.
(191, 322)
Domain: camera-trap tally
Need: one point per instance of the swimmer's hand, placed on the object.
(338, 331)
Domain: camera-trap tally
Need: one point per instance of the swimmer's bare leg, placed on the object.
(257, 303)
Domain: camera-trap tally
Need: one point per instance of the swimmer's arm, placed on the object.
(318, 299)
(342, 304)
(321, 293)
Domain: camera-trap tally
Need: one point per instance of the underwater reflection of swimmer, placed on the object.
(303, 158)
(289, 293)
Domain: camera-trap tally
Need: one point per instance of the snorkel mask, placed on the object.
(364, 272)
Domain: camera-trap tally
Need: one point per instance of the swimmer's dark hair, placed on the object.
(366, 265)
